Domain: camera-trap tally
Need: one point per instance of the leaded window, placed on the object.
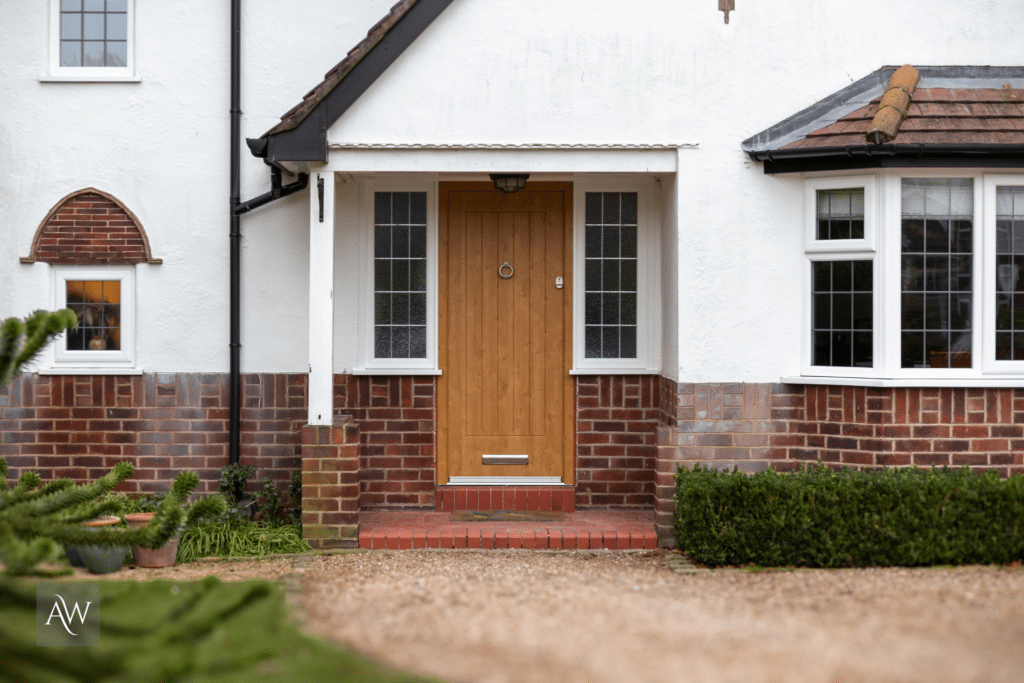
(97, 305)
(400, 274)
(840, 214)
(93, 33)
(937, 276)
(842, 313)
(1009, 262)
(610, 275)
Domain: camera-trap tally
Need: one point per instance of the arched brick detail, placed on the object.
(90, 227)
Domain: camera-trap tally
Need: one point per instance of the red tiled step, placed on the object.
(589, 529)
(519, 498)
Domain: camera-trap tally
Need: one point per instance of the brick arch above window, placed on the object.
(90, 227)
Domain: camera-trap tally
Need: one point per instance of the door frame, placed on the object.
(568, 384)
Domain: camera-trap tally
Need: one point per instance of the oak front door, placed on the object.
(505, 395)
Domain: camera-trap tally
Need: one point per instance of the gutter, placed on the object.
(237, 209)
(875, 156)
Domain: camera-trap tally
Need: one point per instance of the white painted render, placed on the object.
(653, 74)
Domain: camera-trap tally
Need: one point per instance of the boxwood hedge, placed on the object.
(819, 517)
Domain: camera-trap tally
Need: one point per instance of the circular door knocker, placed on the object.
(502, 267)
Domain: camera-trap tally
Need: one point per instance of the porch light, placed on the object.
(509, 182)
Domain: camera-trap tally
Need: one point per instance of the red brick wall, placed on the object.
(756, 426)
(398, 424)
(90, 229)
(616, 419)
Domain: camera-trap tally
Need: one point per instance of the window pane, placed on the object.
(840, 214)
(117, 27)
(92, 53)
(97, 303)
(93, 6)
(71, 26)
(71, 5)
(400, 275)
(937, 238)
(117, 5)
(117, 53)
(1009, 262)
(70, 53)
(610, 275)
(842, 321)
(92, 26)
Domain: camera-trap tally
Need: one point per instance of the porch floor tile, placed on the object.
(611, 529)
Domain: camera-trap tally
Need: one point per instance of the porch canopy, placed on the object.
(301, 143)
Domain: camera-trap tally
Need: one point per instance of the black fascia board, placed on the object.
(852, 157)
(308, 140)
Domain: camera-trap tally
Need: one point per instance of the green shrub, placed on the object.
(818, 517)
(238, 538)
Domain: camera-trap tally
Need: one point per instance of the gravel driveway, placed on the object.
(524, 616)
(514, 615)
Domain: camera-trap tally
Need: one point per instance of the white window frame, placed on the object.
(648, 331)
(85, 74)
(811, 187)
(120, 362)
(887, 371)
(368, 364)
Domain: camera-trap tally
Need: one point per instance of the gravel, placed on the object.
(514, 615)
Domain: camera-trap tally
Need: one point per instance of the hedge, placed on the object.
(819, 517)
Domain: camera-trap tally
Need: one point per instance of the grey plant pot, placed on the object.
(102, 560)
(71, 550)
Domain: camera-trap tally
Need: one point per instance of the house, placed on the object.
(514, 254)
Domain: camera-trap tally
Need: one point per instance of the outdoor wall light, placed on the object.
(509, 182)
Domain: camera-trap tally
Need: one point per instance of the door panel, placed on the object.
(504, 346)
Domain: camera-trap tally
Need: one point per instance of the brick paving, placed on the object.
(582, 530)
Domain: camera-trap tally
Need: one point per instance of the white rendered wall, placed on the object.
(500, 71)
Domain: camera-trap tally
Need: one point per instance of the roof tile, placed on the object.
(936, 116)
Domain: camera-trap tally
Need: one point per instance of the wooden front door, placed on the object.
(505, 391)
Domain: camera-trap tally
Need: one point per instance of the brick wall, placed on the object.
(616, 419)
(398, 424)
(756, 426)
(90, 228)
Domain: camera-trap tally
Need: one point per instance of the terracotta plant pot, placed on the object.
(102, 559)
(164, 556)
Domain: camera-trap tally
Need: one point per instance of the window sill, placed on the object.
(394, 371)
(50, 78)
(967, 382)
(614, 371)
(90, 371)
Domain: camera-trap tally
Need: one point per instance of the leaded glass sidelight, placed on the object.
(936, 272)
(1008, 281)
(97, 305)
(840, 214)
(400, 274)
(93, 33)
(610, 275)
(842, 313)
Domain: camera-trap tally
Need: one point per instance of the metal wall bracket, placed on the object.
(320, 194)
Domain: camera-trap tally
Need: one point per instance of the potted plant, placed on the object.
(166, 555)
(101, 559)
(233, 479)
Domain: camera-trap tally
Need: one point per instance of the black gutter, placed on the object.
(901, 155)
(237, 208)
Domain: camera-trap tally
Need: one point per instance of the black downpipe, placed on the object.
(237, 208)
(235, 418)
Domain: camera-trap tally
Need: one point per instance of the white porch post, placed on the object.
(321, 298)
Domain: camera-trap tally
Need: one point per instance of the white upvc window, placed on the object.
(92, 40)
(839, 312)
(103, 300)
(946, 296)
(398, 304)
(615, 278)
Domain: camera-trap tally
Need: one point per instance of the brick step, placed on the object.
(520, 498)
(589, 529)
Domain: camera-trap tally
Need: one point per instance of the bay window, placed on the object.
(933, 294)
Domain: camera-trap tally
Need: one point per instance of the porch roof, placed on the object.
(957, 116)
(302, 133)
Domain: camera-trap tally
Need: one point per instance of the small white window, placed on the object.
(103, 301)
(92, 40)
(840, 214)
(615, 280)
(399, 320)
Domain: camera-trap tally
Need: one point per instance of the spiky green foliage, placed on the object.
(21, 341)
(33, 518)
